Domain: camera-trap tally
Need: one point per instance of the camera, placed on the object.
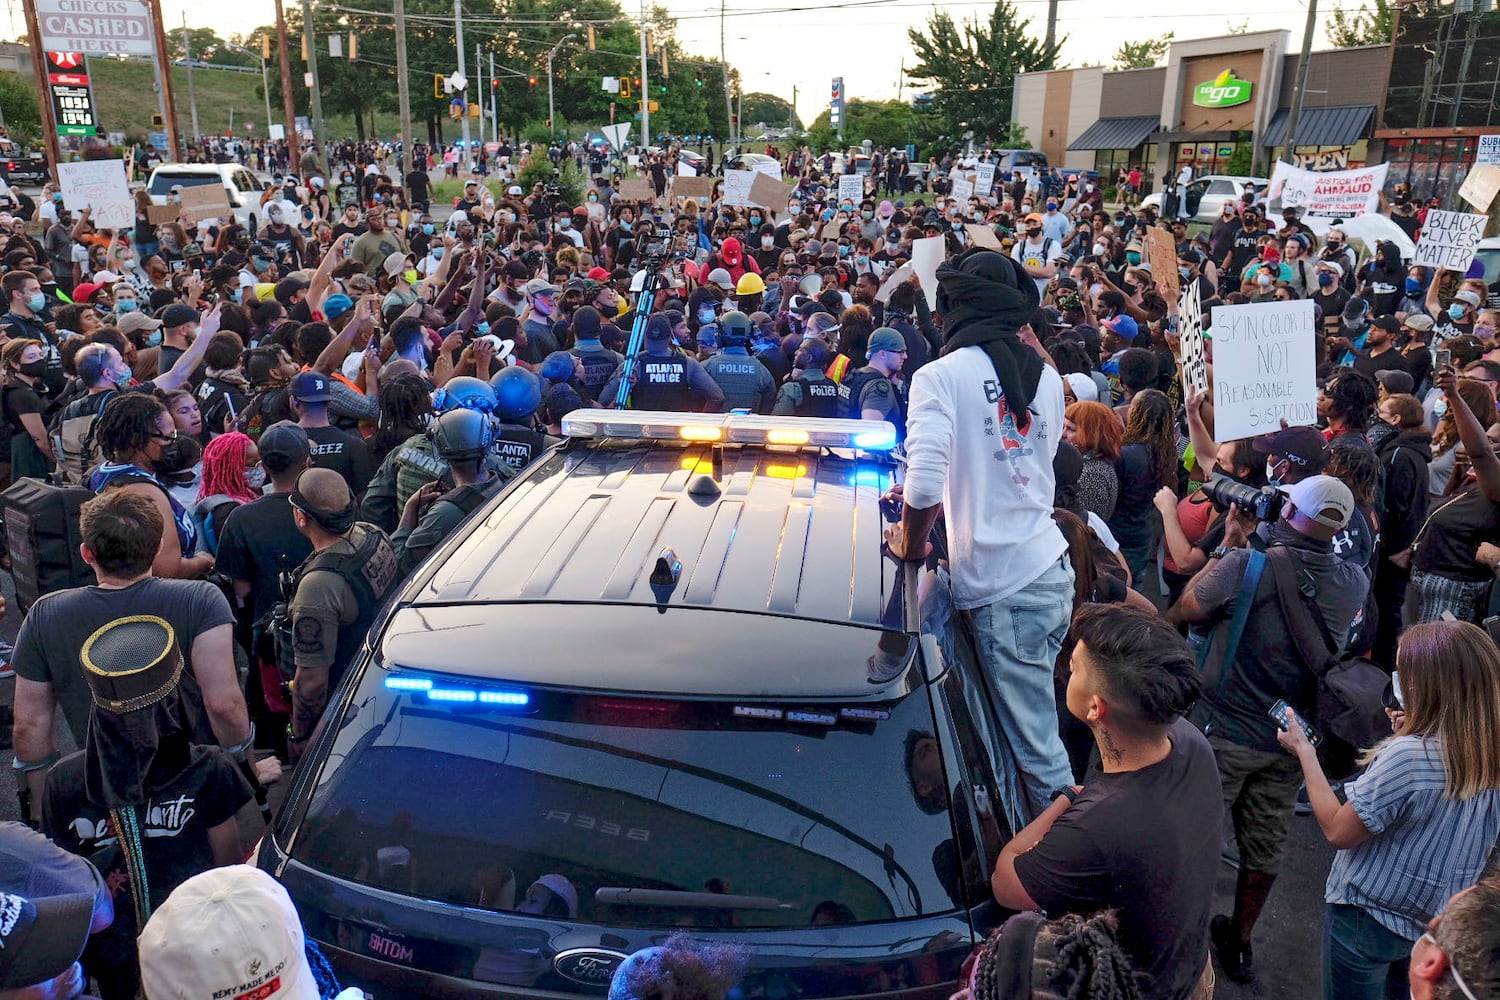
(1264, 503)
(532, 259)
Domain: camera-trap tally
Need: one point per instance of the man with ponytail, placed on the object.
(1131, 839)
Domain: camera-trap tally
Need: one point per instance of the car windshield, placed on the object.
(163, 181)
(629, 811)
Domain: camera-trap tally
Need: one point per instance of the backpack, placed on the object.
(42, 536)
(73, 432)
(203, 516)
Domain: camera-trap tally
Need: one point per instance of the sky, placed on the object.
(779, 44)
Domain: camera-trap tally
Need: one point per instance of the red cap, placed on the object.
(1272, 255)
(598, 274)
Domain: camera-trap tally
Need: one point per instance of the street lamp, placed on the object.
(551, 112)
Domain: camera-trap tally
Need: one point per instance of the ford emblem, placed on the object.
(588, 966)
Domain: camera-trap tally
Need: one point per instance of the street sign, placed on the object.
(97, 27)
(157, 140)
(1489, 151)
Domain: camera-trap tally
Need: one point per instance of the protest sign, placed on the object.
(1449, 239)
(159, 215)
(637, 190)
(204, 201)
(983, 236)
(100, 186)
(1341, 193)
(1265, 368)
(851, 188)
(896, 277)
(771, 168)
(767, 191)
(685, 169)
(1481, 186)
(693, 187)
(963, 189)
(1190, 339)
(1488, 154)
(831, 230)
(984, 180)
(926, 255)
(1161, 246)
(737, 185)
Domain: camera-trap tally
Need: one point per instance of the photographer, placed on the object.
(1253, 661)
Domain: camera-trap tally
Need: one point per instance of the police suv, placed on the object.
(665, 681)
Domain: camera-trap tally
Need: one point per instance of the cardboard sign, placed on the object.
(737, 185)
(100, 186)
(685, 169)
(831, 230)
(1162, 248)
(693, 187)
(851, 188)
(1481, 186)
(767, 191)
(1338, 193)
(1449, 239)
(926, 254)
(1190, 338)
(159, 215)
(899, 276)
(1265, 369)
(983, 236)
(963, 190)
(204, 201)
(637, 191)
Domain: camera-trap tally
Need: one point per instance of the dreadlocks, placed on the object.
(1072, 958)
(404, 406)
(126, 424)
(224, 468)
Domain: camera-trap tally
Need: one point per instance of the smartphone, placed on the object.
(348, 251)
(197, 274)
(1444, 359)
(1282, 713)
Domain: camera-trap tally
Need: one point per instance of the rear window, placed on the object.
(163, 181)
(655, 812)
(1490, 259)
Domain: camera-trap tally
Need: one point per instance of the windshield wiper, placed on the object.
(621, 895)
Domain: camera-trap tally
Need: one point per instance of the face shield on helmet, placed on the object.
(464, 392)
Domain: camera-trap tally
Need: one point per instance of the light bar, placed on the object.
(733, 428)
(456, 693)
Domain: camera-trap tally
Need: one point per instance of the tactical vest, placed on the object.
(661, 383)
(739, 376)
(820, 397)
(598, 368)
(850, 388)
(518, 446)
(417, 464)
(370, 571)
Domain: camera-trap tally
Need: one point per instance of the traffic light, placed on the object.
(531, 80)
(653, 107)
(437, 85)
(265, 46)
(590, 30)
(473, 111)
(698, 80)
(494, 82)
(624, 87)
(156, 120)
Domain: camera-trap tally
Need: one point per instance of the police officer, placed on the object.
(462, 438)
(599, 362)
(747, 384)
(415, 462)
(663, 379)
(518, 394)
(337, 591)
(868, 393)
(809, 392)
(767, 346)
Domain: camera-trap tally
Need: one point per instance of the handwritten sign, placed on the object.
(204, 201)
(963, 190)
(851, 188)
(160, 215)
(100, 186)
(1341, 193)
(771, 168)
(1190, 339)
(767, 191)
(983, 236)
(899, 276)
(1449, 239)
(1161, 245)
(984, 180)
(637, 190)
(1265, 368)
(693, 187)
(737, 184)
(1481, 186)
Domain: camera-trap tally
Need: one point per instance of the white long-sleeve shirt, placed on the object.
(963, 448)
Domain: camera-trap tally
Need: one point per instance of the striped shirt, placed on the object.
(1425, 846)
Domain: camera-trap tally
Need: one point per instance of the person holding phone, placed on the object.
(1419, 822)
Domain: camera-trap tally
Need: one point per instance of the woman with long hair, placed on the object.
(1148, 461)
(1445, 442)
(1095, 431)
(21, 400)
(1419, 822)
(232, 475)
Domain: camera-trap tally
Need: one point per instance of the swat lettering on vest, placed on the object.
(332, 448)
(663, 373)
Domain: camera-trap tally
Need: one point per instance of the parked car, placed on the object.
(744, 161)
(656, 684)
(242, 187)
(1489, 255)
(1206, 195)
(21, 167)
(695, 160)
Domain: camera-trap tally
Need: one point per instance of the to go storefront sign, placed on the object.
(1224, 91)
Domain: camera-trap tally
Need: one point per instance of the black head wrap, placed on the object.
(985, 297)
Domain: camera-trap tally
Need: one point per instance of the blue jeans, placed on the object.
(1018, 641)
(1362, 960)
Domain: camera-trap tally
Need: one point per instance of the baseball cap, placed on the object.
(1084, 389)
(178, 314)
(336, 305)
(659, 327)
(719, 276)
(539, 286)
(285, 440)
(885, 339)
(136, 322)
(1395, 381)
(48, 898)
(1034, 217)
(514, 189)
(1389, 324)
(1471, 297)
(1301, 444)
(229, 931)
(1331, 265)
(1355, 309)
(598, 274)
(394, 263)
(1324, 499)
(310, 387)
(1123, 326)
(1420, 322)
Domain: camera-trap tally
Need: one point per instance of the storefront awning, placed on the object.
(1116, 133)
(1337, 126)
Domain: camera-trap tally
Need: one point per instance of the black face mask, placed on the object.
(33, 369)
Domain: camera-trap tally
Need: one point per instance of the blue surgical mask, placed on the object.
(437, 253)
(862, 259)
(37, 302)
(57, 196)
(126, 305)
(155, 339)
(1455, 312)
(1413, 286)
(237, 294)
(754, 220)
(705, 315)
(482, 328)
(255, 478)
(428, 229)
(843, 251)
(1325, 279)
(625, 225)
(1186, 272)
(564, 223)
(1131, 257)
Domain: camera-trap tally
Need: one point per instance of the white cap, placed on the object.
(106, 277)
(226, 932)
(1084, 389)
(1324, 499)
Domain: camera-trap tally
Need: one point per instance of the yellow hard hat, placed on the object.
(750, 283)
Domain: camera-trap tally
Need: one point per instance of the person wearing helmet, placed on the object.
(416, 462)
(598, 361)
(809, 392)
(664, 379)
(747, 384)
(461, 438)
(869, 393)
(750, 292)
(518, 395)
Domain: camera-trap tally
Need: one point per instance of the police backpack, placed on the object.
(42, 537)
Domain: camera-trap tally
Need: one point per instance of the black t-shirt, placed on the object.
(174, 824)
(357, 230)
(1455, 528)
(1369, 363)
(219, 398)
(1332, 305)
(1243, 244)
(344, 453)
(260, 540)
(1135, 842)
(418, 183)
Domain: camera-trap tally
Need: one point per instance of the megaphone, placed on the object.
(810, 285)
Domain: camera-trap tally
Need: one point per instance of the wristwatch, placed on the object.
(1061, 790)
(1220, 552)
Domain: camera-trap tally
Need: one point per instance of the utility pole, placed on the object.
(458, 37)
(44, 93)
(1051, 29)
(645, 87)
(315, 107)
(551, 111)
(728, 98)
(494, 101)
(265, 89)
(1300, 88)
(403, 86)
(187, 52)
(175, 148)
(288, 103)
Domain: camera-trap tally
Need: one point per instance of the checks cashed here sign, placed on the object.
(1449, 239)
(1265, 368)
(1340, 193)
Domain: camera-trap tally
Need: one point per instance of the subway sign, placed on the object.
(1224, 91)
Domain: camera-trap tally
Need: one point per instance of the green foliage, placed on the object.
(18, 104)
(207, 46)
(884, 123)
(1142, 54)
(971, 68)
(539, 171)
(770, 109)
(1366, 26)
(1241, 161)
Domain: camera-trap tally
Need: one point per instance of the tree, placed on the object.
(1365, 26)
(769, 110)
(207, 46)
(19, 106)
(1143, 54)
(972, 68)
(884, 123)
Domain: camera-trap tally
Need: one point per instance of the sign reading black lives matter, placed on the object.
(1265, 369)
(95, 27)
(1449, 239)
